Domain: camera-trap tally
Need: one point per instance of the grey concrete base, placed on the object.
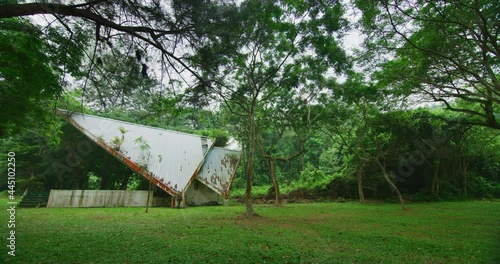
(199, 194)
(98, 198)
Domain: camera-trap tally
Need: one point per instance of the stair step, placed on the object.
(35, 199)
(33, 205)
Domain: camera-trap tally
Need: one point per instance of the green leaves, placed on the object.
(27, 78)
(438, 50)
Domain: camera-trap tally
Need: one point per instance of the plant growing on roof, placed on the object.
(145, 151)
(117, 142)
(123, 130)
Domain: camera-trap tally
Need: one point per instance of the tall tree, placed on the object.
(280, 47)
(444, 51)
(30, 71)
(354, 112)
(371, 138)
(285, 116)
(35, 60)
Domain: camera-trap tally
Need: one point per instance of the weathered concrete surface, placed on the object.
(98, 198)
(199, 194)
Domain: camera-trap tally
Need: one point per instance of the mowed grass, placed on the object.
(446, 232)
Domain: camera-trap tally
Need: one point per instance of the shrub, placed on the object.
(480, 187)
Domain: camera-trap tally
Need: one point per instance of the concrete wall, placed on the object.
(199, 194)
(97, 198)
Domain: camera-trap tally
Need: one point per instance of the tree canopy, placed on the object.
(441, 51)
(311, 119)
(31, 69)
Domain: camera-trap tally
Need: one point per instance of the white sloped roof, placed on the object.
(218, 169)
(171, 158)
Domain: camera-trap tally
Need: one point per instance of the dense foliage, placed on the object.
(267, 74)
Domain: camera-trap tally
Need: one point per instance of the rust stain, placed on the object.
(135, 167)
(217, 174)
(132, 165)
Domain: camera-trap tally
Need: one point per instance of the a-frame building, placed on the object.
(188, 167)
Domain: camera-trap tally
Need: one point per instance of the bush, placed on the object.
(422, 196)
(451, 192)
(239, 183)
(480, 187)
(256, 191)
(313, 178)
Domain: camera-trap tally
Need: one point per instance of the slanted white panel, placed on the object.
(219, 169)
(171, 157)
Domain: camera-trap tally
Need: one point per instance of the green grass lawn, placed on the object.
(445, 232)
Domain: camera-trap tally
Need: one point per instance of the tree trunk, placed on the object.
(102, 184)
(77, 176)
(465, 165)
(435, 180)
(251, 153)
(149, 193)
(393, 186)
(360, 185)
(124, 183)
(275, 183)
